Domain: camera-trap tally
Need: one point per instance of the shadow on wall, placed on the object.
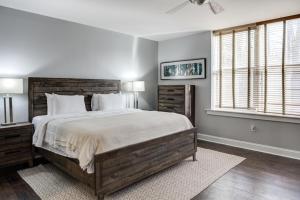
(148, 99)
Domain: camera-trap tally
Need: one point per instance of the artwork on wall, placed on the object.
(183, 69)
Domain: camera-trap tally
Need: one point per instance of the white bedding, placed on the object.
(83, 135)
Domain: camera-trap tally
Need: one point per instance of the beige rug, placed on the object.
(183, 181)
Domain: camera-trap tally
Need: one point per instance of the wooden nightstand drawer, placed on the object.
(15, 138)
(16, 144)
(15, 156)
(14, 152)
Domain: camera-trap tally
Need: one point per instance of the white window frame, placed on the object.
(253, 115)
(247, 114)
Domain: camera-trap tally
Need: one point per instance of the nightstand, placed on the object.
(16, 144)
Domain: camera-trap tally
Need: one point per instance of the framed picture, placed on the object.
(183, 69)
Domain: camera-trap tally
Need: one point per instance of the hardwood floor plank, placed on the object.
(6, 189)
(12, 186)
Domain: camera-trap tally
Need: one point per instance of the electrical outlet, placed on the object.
(253, 128)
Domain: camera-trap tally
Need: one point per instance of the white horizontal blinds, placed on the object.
(259, 77)
(292, 67)
(252, 55)
(216, 71)
(241, 69)
(226, 70)
(274, 65)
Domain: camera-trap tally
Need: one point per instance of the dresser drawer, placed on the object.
(171, 99)
(174, 90)
(171, 108)
(168, 87)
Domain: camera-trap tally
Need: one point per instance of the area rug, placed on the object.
(180, 182)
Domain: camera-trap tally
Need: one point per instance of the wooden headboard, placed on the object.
(37, 87)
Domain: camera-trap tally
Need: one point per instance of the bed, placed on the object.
(118, 167)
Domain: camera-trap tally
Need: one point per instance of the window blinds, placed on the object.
(292, 67)
(257, 68)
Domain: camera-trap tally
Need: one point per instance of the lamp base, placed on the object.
(8, 111)
(8, 124)
(136, 100)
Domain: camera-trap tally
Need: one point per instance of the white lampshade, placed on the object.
(11, 85)
(138, 86)
(128, 86)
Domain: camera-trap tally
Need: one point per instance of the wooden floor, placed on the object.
(259, 177)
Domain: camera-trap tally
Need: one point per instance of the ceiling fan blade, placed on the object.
(215, 7)
(177, 8)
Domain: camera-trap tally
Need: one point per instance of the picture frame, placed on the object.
(183, 69)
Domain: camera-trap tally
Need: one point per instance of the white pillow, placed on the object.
(64, 104)
(50, 103)
(111, 101)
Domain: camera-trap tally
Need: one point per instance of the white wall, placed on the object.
(284, 135)
(39, 46)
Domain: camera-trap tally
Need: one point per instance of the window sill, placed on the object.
(254, 115)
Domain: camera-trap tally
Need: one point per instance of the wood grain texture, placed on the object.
(16, 144)
(13, 187)
(37, 87)
(178, 99)
(122, 167)
(68, 165)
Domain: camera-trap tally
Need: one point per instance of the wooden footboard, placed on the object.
(119, 168)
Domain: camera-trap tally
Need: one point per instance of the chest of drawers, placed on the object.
(178, 99)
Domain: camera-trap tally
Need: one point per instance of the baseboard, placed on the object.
(251, 146)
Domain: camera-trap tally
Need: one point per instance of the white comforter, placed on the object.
(82, 136)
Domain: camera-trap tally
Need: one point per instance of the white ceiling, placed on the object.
(147, 18)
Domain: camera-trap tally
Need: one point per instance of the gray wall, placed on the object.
(34, 45)
(284, 135)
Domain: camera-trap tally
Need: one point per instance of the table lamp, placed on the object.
(137, 86)
(9, 86)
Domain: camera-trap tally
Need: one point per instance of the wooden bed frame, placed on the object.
(118, 168)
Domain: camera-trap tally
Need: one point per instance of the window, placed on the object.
(256, 68)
